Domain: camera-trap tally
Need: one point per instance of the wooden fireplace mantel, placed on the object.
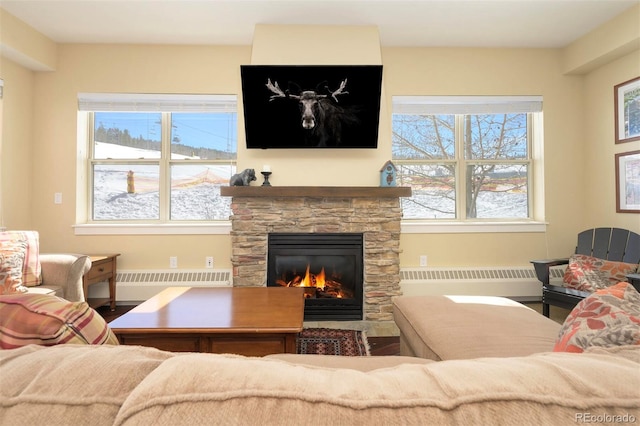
(316, 191)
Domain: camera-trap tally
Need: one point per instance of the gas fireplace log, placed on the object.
(334, 294)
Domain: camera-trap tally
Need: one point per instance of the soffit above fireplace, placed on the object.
(316, 191)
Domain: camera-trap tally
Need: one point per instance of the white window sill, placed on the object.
(219, 228)
(423, 227)
(224, 227)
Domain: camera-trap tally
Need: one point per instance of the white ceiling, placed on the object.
(471, 23)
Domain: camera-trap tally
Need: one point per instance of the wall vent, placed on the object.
(502, 273)
(515, 282)
(194, 277)
(140, 285)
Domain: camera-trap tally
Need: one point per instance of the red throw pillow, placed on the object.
(587, 273)
(608, 317)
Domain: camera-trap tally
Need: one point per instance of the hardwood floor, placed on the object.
(109, 316)
(555, 313)
(385, 346)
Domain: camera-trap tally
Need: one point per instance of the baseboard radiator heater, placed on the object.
(134, 286)
(518, 283)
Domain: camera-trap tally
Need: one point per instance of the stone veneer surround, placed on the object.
(374, 212)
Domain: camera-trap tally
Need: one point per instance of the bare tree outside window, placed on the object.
(463, 166)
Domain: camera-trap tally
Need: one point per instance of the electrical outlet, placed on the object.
(173, 262)
(423, 260)
(208, 262)
(57, 198)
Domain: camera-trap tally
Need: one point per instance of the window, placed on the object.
(466, 158)
(159, 158)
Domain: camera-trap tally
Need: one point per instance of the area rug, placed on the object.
(327, 341)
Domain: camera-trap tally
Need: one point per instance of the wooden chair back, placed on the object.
(615, 244)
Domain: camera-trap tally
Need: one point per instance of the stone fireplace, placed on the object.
(373, 212)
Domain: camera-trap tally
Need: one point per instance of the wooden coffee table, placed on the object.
(251, 321)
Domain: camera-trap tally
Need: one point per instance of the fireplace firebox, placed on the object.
(328, 266)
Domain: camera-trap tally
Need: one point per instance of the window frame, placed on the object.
(89, 104)
(473, 105)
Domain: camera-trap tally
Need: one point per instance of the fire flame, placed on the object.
(320, 281)
(316, 285)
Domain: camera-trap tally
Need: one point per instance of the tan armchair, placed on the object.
(61, 272)
(62, 275)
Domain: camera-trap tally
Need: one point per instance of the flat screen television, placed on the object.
(311, 106)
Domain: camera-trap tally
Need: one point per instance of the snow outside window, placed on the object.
(159, 158)
(466, 158)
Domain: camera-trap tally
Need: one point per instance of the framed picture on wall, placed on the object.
(626, 98)
(628, 182)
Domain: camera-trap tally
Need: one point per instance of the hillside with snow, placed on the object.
(194, 188)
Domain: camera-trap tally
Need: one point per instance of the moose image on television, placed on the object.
(311, 106)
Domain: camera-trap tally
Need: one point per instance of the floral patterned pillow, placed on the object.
(31, 269)
(588, 273)
(608, 317)
(12, 255)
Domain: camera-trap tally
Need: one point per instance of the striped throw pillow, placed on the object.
(49, 320)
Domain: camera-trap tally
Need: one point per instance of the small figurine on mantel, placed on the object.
(243, 178)
(388, 175)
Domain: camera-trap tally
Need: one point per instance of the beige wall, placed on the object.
(599, 143)
(319, 45)
(441, 71)
(614, 39)
(578, 137)
(111, 68)
(20, 43)
(16, 166)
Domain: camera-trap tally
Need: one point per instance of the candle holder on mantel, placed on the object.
(266, 178)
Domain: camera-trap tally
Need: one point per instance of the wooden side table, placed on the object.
(103, 268)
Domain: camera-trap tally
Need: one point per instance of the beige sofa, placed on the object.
(62, 275)
(496, 368)
(131, 385)
(503, 373)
